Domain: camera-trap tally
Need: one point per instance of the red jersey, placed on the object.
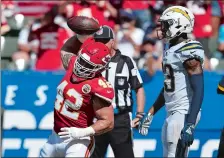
(51, 38)
(79, 97)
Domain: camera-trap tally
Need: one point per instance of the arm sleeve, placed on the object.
(194, 50)
(197, 85)
(135, 77)
(67, 46)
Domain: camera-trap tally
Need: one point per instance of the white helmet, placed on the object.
(176, 20)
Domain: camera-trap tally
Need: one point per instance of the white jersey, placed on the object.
(177, 89)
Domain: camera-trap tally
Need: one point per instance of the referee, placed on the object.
(220, 90)
(124, 77)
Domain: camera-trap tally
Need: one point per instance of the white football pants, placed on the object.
(55, 147)
(171, 130)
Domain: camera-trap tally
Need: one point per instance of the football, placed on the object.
(83, 25)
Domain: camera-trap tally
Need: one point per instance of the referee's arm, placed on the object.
(136, 84)
(220, 89)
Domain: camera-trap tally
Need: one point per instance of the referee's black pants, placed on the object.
(221, 145)
(120, 139)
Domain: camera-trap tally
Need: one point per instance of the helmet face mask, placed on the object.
(91, 61)
(164, 31)
(85, 69)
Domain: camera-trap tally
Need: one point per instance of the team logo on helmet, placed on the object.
(94, 51)
(121, 81)
(178, 10)
(86, 88)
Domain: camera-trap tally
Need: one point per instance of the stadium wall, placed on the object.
(28, 100)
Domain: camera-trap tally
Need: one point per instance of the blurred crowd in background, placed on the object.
(32, 32)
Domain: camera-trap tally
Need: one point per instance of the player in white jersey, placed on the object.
(183, 89)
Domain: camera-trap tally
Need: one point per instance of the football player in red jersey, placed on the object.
(81, 95)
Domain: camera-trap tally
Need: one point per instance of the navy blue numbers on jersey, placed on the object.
(169, 80)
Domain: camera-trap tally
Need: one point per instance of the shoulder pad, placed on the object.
(103, 89)
(190, 45)
(192, 49)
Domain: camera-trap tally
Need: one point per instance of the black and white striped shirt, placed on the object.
(124, 76)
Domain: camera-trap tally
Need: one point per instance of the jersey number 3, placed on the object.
(169, 85)
(62, 105)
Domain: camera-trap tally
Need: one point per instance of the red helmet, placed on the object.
(92, 59)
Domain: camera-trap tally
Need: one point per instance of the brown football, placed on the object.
(83, 25)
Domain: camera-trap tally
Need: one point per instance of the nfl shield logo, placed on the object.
(100, 32)
(121, 81)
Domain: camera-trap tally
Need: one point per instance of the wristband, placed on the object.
(89, 131)
(84, 132)
(139, 113)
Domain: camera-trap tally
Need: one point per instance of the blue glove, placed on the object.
(187, 135)
(145, 124)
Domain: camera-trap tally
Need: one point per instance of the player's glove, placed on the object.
(187, 135)
(70, 133)
(145, 124)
